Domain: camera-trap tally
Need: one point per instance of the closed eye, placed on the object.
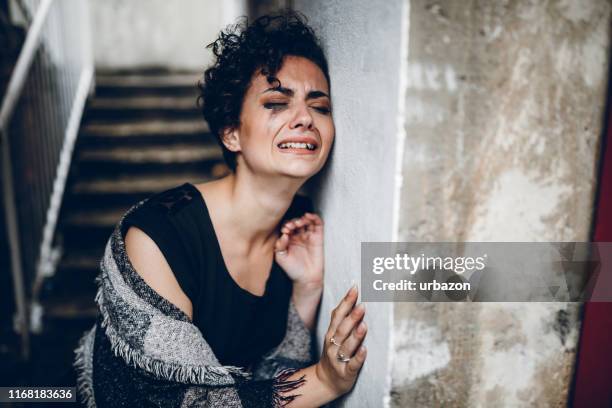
(322, 109)
(275, 105)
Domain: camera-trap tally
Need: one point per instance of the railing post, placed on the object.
(12, 229)
(56, 66)
(22, 67)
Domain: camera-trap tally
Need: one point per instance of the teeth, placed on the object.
(293, 145)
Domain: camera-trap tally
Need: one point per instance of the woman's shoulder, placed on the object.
(169, 214)
(164, 205)
(165, 230)
(173, 200)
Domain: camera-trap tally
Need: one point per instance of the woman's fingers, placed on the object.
(349, 323)
(292, 224)
(344, 354)
(352, 342)
(356, 362)
(316, 223)
(297, 224)
(342, 310)
(314, 218)
(282, 243)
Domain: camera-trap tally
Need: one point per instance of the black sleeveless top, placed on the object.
(239, 326)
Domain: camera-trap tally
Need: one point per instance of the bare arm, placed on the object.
(151, 265)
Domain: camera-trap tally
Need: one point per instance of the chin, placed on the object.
(300, 170)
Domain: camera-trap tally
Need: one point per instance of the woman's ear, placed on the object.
(231, 139)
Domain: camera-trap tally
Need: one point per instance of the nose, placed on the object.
(302, 118)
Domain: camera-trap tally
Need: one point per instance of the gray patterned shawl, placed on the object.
(144, 351)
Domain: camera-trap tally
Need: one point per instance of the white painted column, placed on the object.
(364, 42)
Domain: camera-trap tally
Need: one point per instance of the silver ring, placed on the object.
(342, 358)
(281, 252)
(334, 342)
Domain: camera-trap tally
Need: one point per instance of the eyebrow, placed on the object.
(291, 92)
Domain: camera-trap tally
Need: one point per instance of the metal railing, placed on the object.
(39, 122)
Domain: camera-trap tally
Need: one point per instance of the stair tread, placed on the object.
(146, 183)
(176, 153)
(81, 260)
(76, 306)
(145, 102)
(148, 80)
(145, 127)
(99, 217)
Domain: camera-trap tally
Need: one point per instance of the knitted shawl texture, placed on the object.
(144, 351)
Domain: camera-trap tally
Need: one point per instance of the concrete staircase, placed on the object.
(142, 133)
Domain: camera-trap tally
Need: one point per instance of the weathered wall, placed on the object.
(158, 33)
(503, 117)
(356, 192)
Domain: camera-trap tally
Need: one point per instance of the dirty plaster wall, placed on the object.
(158, 33)
(355, 193)
(503, 118)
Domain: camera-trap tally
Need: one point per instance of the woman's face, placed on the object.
(286, 130)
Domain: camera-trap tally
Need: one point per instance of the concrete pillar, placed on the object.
(504, 109)
(363, 41)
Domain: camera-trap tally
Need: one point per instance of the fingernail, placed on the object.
(361, 328)
(361, 307)
(362, 350)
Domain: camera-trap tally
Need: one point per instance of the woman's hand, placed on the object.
(299, 251)
(343, 355)
(342, 358)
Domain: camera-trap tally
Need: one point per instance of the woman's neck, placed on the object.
(249, 208)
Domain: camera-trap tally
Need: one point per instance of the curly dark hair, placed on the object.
(244, 50)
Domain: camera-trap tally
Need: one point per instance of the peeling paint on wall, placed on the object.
(512, 364)
(440, 341)
(431, 76)
(419, 350)
(508, 153)
(528, 214)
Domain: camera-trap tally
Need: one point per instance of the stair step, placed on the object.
(126, 129)
(77, 306)
(147, 80)
(95, 200)
(145, 102)
(141, 107)
(173, 154)
(143, 184)
(98, 218)
(147, 84)
(80, 261)
(83, 239)
(76, 273)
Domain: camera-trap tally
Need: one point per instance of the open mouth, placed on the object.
(297, 145)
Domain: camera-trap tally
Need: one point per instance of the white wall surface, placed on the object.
(363, 42)
(158, 33)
